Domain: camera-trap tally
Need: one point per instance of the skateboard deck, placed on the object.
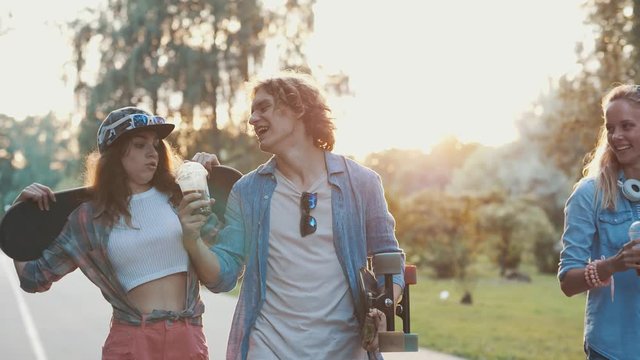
(221, 181)
(25, 230)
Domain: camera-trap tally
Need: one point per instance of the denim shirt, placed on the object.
(611, 327)
(362, 226)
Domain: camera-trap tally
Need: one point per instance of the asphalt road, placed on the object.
(71, 321)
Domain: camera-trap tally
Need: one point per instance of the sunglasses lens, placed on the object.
(308, 225)
(309, 201)
(139, 120)
(157, 120)
(144, 120)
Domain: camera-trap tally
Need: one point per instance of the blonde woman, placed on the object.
(597, 255)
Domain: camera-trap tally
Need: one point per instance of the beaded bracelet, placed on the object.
(593, 279)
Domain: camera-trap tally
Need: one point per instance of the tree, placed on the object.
(515, 170)
(572, 109)
(5, 23)
(531, 191)
(185, 59)
(6, 157)
(34, 149)
(439, 231)
(515, 227)
(408, 172)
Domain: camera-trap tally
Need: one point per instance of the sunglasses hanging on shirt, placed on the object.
(308, 223)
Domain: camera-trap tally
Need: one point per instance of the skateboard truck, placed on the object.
(389, 264)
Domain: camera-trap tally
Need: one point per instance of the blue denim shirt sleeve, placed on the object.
(579, 227)
(230, 249)
(380, 227)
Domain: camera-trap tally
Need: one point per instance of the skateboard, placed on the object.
(26, 231)
(389, 264)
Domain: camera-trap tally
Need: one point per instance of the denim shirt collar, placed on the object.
(621, 176)
(334, 164)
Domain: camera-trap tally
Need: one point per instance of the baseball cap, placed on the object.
(126, 120)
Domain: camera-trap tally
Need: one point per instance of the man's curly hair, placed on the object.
(301, 94)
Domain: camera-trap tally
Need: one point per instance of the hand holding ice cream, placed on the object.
(192, 177)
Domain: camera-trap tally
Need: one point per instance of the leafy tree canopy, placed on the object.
(181, 58)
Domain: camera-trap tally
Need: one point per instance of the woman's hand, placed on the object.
(207, 160)
(38, 193)
(204, 261)
(627, 258)
(191, 219)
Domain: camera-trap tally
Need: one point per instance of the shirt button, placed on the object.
(266, 197)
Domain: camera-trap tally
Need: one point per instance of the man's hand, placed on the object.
(207, 160)
(374, 323)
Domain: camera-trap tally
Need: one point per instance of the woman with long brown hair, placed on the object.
(127, 240)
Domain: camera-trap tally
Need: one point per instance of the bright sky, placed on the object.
(420, 69)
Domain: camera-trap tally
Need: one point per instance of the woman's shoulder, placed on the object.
(585, 190)
(85, 206)
(83, 214)
(81, 226)
(586, 184)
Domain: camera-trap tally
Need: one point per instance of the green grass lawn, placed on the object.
(507, 320)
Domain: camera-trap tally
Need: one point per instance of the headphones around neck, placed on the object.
(630, 189)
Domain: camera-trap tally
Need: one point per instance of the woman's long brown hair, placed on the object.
(108, 180)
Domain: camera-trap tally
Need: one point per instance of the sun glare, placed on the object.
(419, 71)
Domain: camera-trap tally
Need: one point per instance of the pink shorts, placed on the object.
(162, 340)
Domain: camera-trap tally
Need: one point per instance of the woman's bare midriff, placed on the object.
(166, 293)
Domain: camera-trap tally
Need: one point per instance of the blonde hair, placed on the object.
(602, 163)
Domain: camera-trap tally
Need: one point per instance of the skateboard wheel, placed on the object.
(411, 342)
(397, 341)
(391, 341)
(410, 275)
(387, 263)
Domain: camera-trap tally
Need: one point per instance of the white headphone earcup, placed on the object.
(631, 189)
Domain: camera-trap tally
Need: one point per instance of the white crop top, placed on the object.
(152, 248)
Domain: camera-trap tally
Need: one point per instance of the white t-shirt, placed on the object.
(308, 311)
(152, 248)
